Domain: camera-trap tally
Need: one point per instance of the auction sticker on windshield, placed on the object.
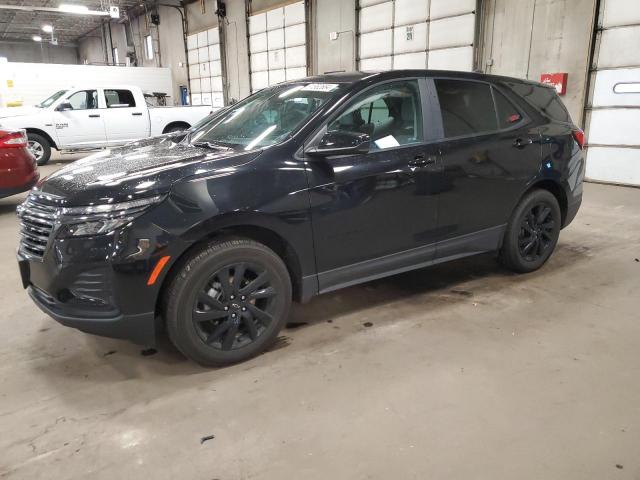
(320, 87)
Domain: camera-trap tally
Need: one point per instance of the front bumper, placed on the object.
(139, 328)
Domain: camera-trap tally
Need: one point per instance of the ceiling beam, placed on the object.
(23, 8)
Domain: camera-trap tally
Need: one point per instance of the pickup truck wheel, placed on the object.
(39, 148)
(176, 128)
(227, 302)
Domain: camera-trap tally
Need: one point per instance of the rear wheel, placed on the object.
(39, 147)
(228, 302)
(532, 233)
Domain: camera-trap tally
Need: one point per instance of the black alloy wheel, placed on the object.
(536, 232)
(235, 306)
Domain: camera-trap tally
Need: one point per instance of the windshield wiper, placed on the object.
(210, 145)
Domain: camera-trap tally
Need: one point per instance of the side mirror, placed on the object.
(341, 143)
(64, 106)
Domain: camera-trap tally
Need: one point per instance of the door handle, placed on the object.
(137, 114)
(94, 116)
(522, 142)
(420, 161)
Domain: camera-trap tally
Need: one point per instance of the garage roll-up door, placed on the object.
(436, 34)
(613, 133)
(278, 45)
(205, 68)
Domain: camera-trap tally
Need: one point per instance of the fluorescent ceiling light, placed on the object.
(69, 8)
(47, 28)
(37, 38)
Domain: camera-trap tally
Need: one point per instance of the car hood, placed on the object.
(18, 111)
(139, 169)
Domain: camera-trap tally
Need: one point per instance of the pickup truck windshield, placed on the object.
(51, 99)
(266, 118)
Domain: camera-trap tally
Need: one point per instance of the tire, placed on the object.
(40, 148)
(215, 325)
(532, 233)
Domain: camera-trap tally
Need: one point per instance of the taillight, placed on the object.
(579, 137)
(14, 139)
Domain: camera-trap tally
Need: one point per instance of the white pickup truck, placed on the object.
(90, 117)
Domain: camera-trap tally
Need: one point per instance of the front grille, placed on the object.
(37, 219)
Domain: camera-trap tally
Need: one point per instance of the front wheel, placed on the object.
(532, 233)
(227, 302)
(39, 147)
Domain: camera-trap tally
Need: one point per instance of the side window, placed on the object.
(467, 107)
(542, 98)
(508, 114)
(119, 98)
(84, 100)
(390, 114)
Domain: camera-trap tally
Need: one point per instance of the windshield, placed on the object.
(51, 99)
(266, 118)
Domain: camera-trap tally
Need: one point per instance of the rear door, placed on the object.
(83, 126)
(125, 119)
(490, 151)
(376, 212)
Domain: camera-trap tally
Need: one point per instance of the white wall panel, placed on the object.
(275, 39)
(295, 35)
(452, 32)
(258, 43)
(213, 35)
(376, 17)
(206, 98)
(203, 54)
(259, 80)
(259, 62)
(202, 39)
(214, 52)
(275, 18)
(195, 85)
(216, 84)
(375, 44)
(276, 76)
(410, 60)
(204, 69)
(606, 80)
(196, 98)
(257, 23)
(192, 42)
(621, 12)
(460, 58)
(296, 57)
(205, 85)
(615, 126)
(295, 73)
(616, 165)
(411, 11)
(444, 8)
(194, 70)
(192, 56)
(294, 14)
(217, 99)
(375, 64)
(215, 68)
(410, 38)
(276, 59)
(619, 47)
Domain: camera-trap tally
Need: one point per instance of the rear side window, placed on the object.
(508, 115)
(119, 98)
(544, 99)
(467, 107)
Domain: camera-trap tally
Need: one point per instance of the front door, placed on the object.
(376, 212)
(488, 153)
(125, 120)
(83, 125)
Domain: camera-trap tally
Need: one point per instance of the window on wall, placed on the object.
(467, 107)
(205, 68)
(435, 34)
(148, 46)
(277, 45)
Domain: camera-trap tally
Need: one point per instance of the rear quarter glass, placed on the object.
(543, 99)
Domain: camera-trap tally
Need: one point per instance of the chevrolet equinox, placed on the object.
(302, 188)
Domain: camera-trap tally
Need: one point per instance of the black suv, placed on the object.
(302, 188)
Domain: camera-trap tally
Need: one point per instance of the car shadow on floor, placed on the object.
(439, 287)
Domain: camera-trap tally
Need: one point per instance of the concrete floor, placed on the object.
(467, 372)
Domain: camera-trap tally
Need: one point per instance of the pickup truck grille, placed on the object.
(37, 220)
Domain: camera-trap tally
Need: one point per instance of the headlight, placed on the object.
(102, 218)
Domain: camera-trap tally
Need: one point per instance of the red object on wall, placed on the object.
(558, 80)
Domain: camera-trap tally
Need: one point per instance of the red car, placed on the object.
(18, 169)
